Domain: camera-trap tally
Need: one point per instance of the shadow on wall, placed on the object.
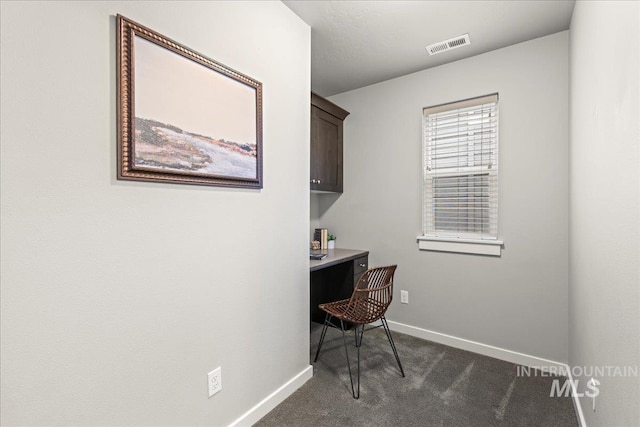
(326, 200)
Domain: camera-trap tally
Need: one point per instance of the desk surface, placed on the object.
(335, 256)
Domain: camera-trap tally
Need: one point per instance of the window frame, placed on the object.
(463, 242)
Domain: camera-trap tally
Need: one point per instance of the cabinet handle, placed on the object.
(318, 181)
(313, 181)
(363, 265)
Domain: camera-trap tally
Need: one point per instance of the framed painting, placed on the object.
(182, 117)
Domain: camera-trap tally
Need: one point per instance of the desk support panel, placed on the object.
(335, 282)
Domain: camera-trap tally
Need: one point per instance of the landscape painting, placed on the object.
(188, 119)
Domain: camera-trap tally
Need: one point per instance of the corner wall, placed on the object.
(516, 302)
(604, 291)
(118, 297)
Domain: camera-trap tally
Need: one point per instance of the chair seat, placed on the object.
(365, 311)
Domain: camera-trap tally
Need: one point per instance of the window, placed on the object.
(460, 147)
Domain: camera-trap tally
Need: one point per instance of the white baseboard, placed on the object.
(576, 401)
(254, 414)
(476, 347)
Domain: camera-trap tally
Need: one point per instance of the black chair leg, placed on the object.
(393, 346)
(327, 319)
(357, 396)
(354, 391)
(358, 339)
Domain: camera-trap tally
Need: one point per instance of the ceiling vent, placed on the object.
(446, 45)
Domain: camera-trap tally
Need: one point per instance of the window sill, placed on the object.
(464, 246)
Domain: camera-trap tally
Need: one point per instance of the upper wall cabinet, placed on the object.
(326, 145)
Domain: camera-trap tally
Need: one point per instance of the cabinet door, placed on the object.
(326, 151)
(360, 265)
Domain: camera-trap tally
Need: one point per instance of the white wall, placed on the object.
(604, 292)
(118, 297)
(518, 301)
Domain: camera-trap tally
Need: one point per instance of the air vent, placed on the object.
(446, 45)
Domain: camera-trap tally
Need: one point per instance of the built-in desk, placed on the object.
(333, 278)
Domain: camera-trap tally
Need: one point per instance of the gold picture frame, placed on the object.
(182, 117)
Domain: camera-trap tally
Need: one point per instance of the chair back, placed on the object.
(372, 295)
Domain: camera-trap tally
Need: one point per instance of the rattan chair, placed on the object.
(368, 303)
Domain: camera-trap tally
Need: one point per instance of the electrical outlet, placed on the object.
(404, 297)
(215, 381)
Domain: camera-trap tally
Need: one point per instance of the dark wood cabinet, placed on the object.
(360, 265)
(335, 282)
(326, 144)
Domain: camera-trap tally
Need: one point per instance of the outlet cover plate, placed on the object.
(404, 297)
(215, 381)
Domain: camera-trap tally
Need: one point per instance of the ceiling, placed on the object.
(358, 43)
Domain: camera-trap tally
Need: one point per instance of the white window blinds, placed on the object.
(461, 169)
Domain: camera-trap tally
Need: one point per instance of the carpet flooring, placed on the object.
(444, 386)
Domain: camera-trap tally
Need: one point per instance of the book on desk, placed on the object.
(321, 235)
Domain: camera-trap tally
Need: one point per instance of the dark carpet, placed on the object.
(444, 386)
